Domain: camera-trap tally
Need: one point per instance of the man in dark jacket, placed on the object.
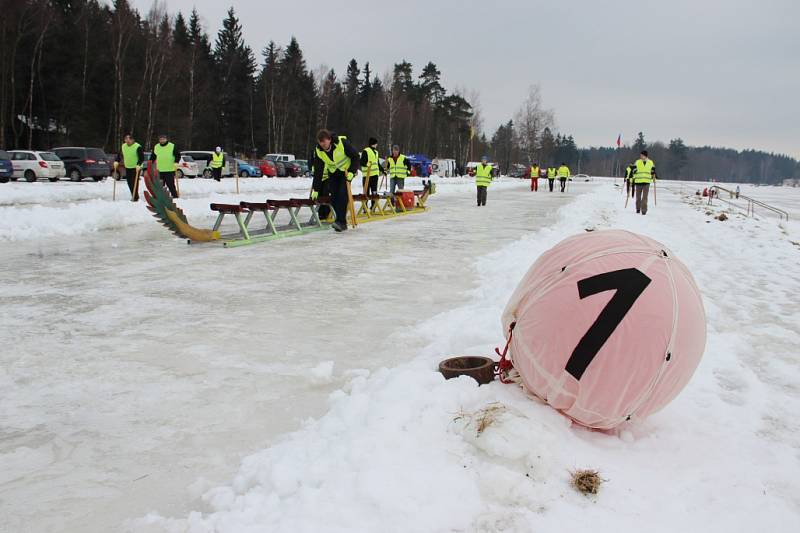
(335, 156)
(166, 156)
(131, 155)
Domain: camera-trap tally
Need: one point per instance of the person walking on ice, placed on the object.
(563, 176)
(535, 177)
(217, 162)
(166, 156)
(131, 155)
(483, 177)
(643, 175)
(370, 164)
(335, 156)
(551, 177)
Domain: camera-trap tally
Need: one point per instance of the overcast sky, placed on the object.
(724, 73)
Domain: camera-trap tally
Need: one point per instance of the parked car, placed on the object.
(81, 162)
(203, 159)
(246, 170)
(292, 169)
(303, 164)
(187, 167)
(268, 168)
(32, 165)
(283, 164)
(6, 168)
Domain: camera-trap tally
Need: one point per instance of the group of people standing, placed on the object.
(165, 157)
(551, 173)
(638, 177)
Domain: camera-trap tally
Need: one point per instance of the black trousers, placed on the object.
(338, 187)
(371, 188)
(130, 177)
(168, 179)
(324, 210)
(216, 173)
(482, 195)
(563, 183)
(551, 181)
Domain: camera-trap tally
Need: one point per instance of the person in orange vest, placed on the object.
(535, 177)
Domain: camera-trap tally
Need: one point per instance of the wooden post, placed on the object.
(135, 194)
(350, 204)
(236, 171)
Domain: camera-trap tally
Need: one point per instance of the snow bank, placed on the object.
(400, 450)
(42, 210)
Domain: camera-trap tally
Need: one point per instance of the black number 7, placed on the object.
(629, 283)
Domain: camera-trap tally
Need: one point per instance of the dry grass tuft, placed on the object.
(482, 418)
(586, 481)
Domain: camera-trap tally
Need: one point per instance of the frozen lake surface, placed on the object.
(134, 365)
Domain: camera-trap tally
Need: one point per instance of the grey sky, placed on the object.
(724, 73)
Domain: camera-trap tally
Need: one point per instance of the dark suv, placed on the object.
(6, 170)
(81, 162)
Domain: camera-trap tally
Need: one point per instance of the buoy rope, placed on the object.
(505, 364)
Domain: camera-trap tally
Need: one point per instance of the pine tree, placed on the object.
(640, 144)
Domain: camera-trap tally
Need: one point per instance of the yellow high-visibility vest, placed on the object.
(644, 171)
(340, 161)
(483, 175)
(397, 169)
(372, 157)
(165, 157)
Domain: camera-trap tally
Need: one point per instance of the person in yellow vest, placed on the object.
(398, 168)
(216, 163)
(336, 157)
(563, 175)
(643, 175)
(551, 177)
(535, 177)
(483, 177)
(370, 163)
(131, 155)
(166, 156)
(629, 179)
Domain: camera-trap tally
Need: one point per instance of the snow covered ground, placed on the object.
(134, 366)
(137, 384)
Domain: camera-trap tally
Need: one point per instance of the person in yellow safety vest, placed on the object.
(324, 191)
(551, 177)
(335, 156)
(535, 177)
(643, 175)
(131, 155)
(166, 156)
(216, 163)
(398, 168)
(629, 179)
(370, 163)
(563, 175)
(483, 177)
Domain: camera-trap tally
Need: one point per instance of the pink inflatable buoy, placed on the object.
(607, 326)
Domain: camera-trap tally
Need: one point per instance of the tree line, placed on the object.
(516, 142)
(81, 72)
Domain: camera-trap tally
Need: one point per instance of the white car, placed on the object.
(33, 164)
(187, 167)
(280, 157)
